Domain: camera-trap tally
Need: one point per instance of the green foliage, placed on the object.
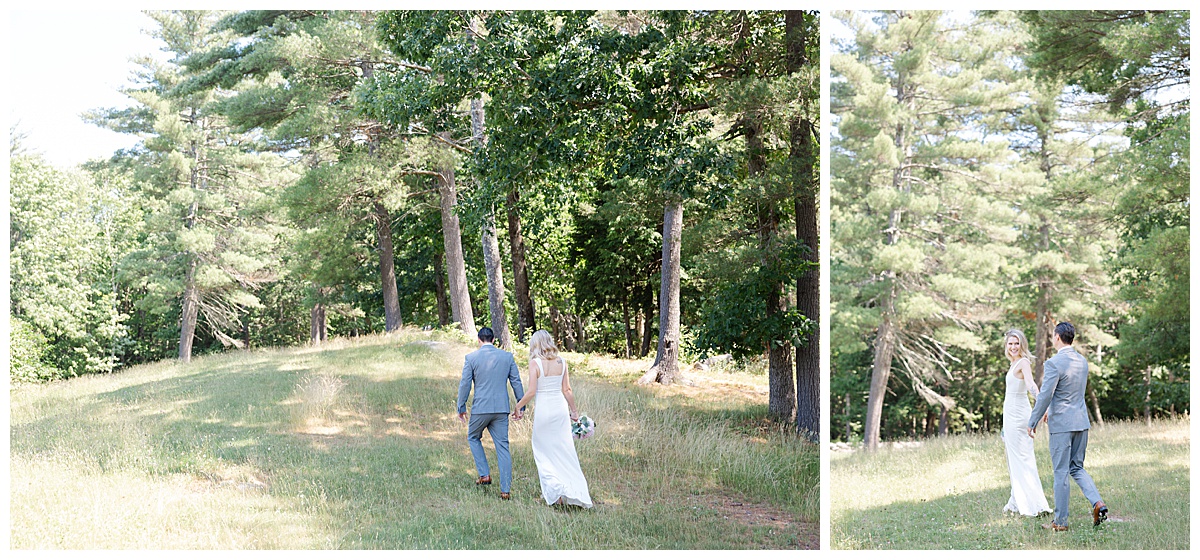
(27, 354)
(65, 236)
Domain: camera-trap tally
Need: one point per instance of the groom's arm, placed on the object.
(1049, 382)
(514, 378)
(464, 386)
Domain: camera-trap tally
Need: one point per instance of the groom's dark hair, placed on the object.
(1065, 332)
(486, 335)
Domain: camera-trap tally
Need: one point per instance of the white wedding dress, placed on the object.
(553, 448)
(1027, 497)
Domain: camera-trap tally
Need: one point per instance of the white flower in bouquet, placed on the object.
(582, 428)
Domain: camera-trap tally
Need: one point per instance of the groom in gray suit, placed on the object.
(491, 370)
(1062, 395)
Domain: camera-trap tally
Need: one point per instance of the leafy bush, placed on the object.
(27, 348)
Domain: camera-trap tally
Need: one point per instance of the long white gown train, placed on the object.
(1027, 497)
(553, 448)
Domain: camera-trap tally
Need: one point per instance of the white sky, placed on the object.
(66, 62)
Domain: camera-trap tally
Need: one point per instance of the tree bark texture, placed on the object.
(644, 331)
(191, 312)
(526, 323)
(456, 268)
(881, 370)
(495, 276)
(317, 324)
(666, 362)
(1096, 417)
(628, 332)
(387, 268)
(439, 285)
(808, 285)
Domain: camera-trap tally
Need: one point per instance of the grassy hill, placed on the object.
(948, 493)
(355, 445)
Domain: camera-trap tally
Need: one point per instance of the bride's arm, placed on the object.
(566, 389)
(1031, 385)
(532, 389)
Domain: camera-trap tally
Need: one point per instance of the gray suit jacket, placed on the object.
(491, 370)
(1063, 389)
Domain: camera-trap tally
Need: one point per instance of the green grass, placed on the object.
(948, 494)
(356, 445)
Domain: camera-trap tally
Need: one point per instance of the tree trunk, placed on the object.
(1042, 344)
(456, 267)
(628, 334)
(191, 294)
(1149, 377)
(1043, 347)
(581, 323)
(317, 324)
(439, 286)
(944, 422)
(849, 432)
(526, 324)
(781, 400)
(495, 276)
(191, 311)
(491, 247)
(808, 284)
(885, 338)
(1091, 393)
(881, 369)
(666, 362)
(643, 333)
(387, 269)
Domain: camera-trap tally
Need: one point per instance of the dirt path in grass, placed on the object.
(754, 515)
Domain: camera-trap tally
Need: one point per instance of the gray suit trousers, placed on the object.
(1067, 451)
(497, 425)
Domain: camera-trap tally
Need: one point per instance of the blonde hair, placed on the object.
(1023, 352)
(541, 345)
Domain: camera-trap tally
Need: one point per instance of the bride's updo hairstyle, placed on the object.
(1024, 351)
(541, 345)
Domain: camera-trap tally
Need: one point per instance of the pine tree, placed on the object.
(923, 197)
(211, 237)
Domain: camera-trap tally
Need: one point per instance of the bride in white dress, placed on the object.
(553, 449)
(1027, 497)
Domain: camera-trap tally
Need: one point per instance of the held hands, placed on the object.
(1031, 431)
(462, 417)
(517, 414)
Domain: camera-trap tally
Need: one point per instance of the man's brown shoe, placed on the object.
(1055, 527)
(483, 480)
(505, 496)
(1099, 513)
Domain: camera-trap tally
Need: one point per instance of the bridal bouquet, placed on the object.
(582, 428)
